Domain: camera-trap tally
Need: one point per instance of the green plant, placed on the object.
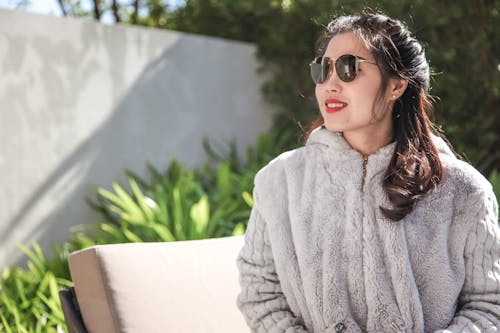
(171, 206)
(495, 182)
(178, 204)
(29, 301)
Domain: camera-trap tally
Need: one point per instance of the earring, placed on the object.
(393, 96)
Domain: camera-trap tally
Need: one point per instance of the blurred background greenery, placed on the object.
(461, 41)
(460, 38)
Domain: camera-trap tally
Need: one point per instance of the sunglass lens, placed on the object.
(316, 72)
(319, 69)
(345, 66)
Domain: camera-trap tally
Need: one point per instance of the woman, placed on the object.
(374, 225)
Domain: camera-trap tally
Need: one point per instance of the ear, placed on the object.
(396, 88)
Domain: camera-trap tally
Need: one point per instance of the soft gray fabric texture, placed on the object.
(319, 256)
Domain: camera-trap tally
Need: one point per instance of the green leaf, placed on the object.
(146, 204)
(21, 290)
(131, 236)
(6, 273)
(44, 284)
(200, 214)
(112, 198)
(178, 211)
(495, 182)
(6, 325)
(163, 232)
(55, 310)
(114, 232)
(224, 179)
(248, 199)
(239, 229)
(130, 205)
(37, 260)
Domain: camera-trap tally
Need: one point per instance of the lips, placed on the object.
(334, 105)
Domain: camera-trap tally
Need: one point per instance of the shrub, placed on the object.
(29, 300)
(495, 182)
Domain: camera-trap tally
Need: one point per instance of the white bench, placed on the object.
(181, 287)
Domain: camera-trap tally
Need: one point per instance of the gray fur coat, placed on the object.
(320, 257)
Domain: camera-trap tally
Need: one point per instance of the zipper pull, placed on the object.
(365, 162)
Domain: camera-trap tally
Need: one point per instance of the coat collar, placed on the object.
(335, 141)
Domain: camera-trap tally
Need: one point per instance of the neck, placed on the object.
(367, 143)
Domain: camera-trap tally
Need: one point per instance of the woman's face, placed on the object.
(354, 107)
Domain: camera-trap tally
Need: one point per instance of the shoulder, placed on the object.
(467, 184)
(459, 176)
(275, 178)
(277, 167)
(462, 176)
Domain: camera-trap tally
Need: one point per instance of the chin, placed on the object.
(333, 127)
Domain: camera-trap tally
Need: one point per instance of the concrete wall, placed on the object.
(80, 102)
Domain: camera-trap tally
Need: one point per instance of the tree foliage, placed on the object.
(460, 37)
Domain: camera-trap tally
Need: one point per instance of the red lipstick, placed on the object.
(334, 105)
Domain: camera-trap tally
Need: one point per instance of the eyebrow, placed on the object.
(360, 57)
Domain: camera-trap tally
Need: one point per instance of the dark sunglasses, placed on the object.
(346, 66)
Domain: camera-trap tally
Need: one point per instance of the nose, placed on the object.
(333, 83)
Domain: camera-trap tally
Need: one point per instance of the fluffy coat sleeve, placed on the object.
(261, 299)
(478, 307)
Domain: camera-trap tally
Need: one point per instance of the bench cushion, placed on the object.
(186, 286)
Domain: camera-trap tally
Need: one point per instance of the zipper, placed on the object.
(365, 162)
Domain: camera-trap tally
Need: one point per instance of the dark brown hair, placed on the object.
(415, 167)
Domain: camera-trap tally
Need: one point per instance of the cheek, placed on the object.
(371, 94)
(377, 104)
(319, 97)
